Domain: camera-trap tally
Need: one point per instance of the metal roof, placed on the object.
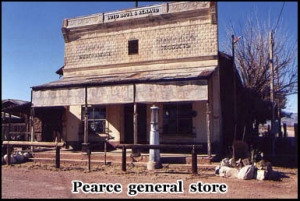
(130, 77)
(13, 101)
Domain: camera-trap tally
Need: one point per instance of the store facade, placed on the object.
(119, 64)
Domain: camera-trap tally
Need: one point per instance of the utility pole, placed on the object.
(136, 4)
(272, 83)
(278, 99)
(234, 40)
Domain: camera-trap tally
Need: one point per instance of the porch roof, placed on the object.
(130, 77)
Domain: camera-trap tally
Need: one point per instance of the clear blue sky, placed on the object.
(33, 45)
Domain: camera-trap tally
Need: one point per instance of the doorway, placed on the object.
(142, 123)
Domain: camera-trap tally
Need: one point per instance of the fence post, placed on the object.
(89, 152)
(194, 161)
(124, 158)
(8, 154)
(296, 130)
(105, 152)
(284, 130)
(57, 163)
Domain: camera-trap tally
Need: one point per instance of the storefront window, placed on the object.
(96, 119)
(177, 119)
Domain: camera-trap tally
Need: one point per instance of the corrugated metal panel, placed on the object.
(131, 77)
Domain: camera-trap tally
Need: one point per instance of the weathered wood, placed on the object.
(58, 97)
(171, 91)
(160, 146)
(105, 152)
(57, 157)
(86, 130)
(20, 132)
(9, 126)
(8, 154)
(42, 144)
(208, 130)
(124, 158)
(32, 129)
(58, 145)
(135, 124)
(89, 158)
(194, 162)
(110, 94)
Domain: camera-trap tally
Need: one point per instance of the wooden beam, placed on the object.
(57, 157)
(193, 147)
(42, 144)
(123, 158)
(160, 146)
(194, 162)
(208, 130)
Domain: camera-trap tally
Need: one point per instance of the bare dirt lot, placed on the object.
(34, 180)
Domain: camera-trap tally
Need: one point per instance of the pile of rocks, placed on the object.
(17, 157)
(243, 169)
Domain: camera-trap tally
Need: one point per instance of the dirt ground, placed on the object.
(35, 180)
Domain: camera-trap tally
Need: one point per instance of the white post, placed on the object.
(154, 154)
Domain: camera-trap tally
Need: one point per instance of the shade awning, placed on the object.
(140, 87)
(130, 77)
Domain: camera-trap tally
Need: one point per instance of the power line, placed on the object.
(272, 74)
(279, 16)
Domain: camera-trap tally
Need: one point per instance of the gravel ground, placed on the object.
(35, 180)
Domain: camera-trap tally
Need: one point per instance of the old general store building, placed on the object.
(119, 64)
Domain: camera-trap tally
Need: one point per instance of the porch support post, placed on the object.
(135, 152)
(208, 130)
(32, 128)
(27, 127)
(135, 126)
(85, 137)
(9, 127)
(85, 144)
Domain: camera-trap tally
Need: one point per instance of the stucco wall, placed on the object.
(73, 116)
(114, 121)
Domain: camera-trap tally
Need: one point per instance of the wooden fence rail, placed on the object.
(58, 145)
(193, 149)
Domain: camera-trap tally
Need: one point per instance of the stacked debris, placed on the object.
(17, 157)
(243, 169)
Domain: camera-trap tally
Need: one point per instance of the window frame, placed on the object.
(133, 47)
(175, 115)
(93, 120)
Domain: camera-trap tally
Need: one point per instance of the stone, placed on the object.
(247, 172)
(225, 171)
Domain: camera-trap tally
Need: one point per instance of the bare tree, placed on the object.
(253, 62)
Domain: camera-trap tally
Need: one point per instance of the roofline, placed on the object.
(110, 83)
